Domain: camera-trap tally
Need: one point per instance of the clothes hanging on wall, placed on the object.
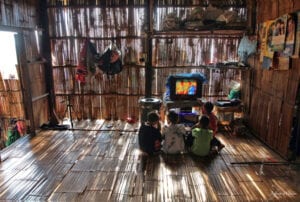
(246, 48)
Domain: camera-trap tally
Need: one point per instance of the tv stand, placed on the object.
(171, 104)
(182, 103)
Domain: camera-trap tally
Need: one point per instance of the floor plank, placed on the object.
(100, 161)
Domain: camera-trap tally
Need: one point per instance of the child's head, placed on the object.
(204, 121)
(173, 117)
(208, 107)
(152, 117)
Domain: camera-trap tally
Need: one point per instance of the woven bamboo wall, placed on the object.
(123, 23)
(274, 92)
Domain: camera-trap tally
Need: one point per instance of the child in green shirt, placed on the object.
(202, 138)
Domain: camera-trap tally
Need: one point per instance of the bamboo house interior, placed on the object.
(79, 77)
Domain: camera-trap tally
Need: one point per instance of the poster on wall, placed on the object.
(266, 53)
(278, 32)
(284, 57)
(290, 36)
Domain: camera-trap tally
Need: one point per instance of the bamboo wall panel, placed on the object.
(263, 115)
(270, 9)
(64, 80)
(254, 108)
(95, 107)
(72, 23)
(40, 112)
(296, 5)
(102, 91)
(274, 116)
(37, 76)
(32, 45)
(278, 89)
(5, 104)
(95, 22)
(245, 90)
(104, 94)
(279, 85)
(256, 79)
(130, 82)
(65, 51)
(2, 86)
(264, 10)
(11, 105)
(266, 81)
(293, 82)
(285, 6)
(195, 51)
(19, 13)
(285, 129)
(38, 89)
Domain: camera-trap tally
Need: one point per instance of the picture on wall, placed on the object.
(279, 41)
(278, 31)
(290, 35)
(284, 56)
(265, 37)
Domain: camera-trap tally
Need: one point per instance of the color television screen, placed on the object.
(186, 87)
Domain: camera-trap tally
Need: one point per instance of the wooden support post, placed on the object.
(46, 53)
(149, 70)
(251, 16)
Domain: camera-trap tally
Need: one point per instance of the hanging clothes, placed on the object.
(246, 48)
(87, 60)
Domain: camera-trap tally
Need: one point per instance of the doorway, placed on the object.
(11, 102)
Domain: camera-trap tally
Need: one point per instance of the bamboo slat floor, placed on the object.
(100, 161)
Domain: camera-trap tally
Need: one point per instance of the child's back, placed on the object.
(202, 138)
(149, 134)
(213, 121)
(149, 138)
(173, 134)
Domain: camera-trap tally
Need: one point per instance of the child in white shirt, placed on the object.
(173, 135)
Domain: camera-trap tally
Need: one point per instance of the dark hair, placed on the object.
(173, 117)
(152, 117)
(204, 121)
(208, 107)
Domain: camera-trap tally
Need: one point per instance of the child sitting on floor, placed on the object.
(204, 141)
(149, 135)
(202, 137)
(207, 109)
(173, 135)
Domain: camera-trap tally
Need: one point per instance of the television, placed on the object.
(185, 87)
